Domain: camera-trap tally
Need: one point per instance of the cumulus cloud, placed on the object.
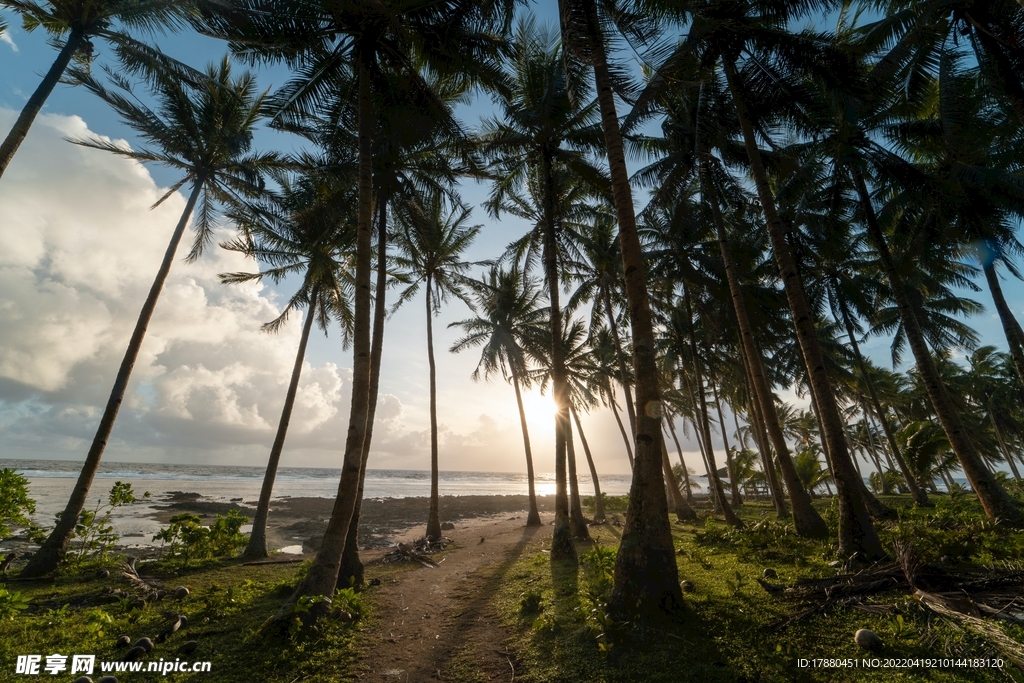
(79, 246)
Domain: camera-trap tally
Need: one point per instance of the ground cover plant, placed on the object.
(733, 629)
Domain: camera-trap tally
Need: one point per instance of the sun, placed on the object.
(539, 408)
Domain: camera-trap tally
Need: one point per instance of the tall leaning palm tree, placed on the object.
(305, 230)
(646, 577)
(432, 245)
(75, 23)
(508, 320)
(204, 131)
(543, 133)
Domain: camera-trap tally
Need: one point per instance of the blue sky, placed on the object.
(200, 397)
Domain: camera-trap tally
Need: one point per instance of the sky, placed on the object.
(79, 246)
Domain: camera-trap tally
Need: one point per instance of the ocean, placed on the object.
(51, 481)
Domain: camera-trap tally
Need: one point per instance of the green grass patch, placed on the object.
(729, 628)
(227, 608)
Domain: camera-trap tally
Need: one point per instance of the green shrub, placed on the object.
(94, 535)
(189, 541)
(16, 507)
(11, 604)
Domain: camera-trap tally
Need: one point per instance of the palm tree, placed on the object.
(327, 43)
(205, 132)
(75, 23)
(305, 230)
(432, 245)
(645, 568)
(543, 133)
(745, 41)
(508, 321)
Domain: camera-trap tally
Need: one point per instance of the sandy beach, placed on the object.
(296, 523)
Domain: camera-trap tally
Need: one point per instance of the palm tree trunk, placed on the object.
(598, 500)
(622, 430)
(433, 517)
(682, 461)
(705, 423)
(1002, 446)
(562, 546)
(322, 576)
(684, 513)
(916, 492)
(533, 519)
(576, 519)
(733, 484)
(994, 499)
(806, 519)
(48, 557)
(76, 39)
(857, 535)
(1011, 328)
(761, 438)
(621, 357)
(646, 580)
(875, 507)
(257, 547)
(352, 571)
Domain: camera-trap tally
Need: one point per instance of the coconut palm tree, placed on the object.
(328, 43)
(303, 230)
(432, 243)
(73, 24)
(745, 39)
(508, 321)
(645, 568)
(542, 136)
(204, 131)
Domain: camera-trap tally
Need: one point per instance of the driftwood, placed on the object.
(417, 552)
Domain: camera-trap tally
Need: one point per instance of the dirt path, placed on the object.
(435, 624)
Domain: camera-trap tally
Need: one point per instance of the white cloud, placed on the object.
(79, 246)
(5, 37)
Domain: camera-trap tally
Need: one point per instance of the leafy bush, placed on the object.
(11, 604)
(189, 541)
(348, 600)
(94, 535)
(15, 505)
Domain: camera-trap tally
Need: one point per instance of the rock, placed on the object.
(107, 679)
(83, 679)
(687, 586)
(180, 592)
(134, 654)
(868, 640)
(770, 573)
(189, 647)
(340, 614)
(123, 641)
(103, 574)
(374, 582)
(447, 526)
(482, 539)
(145, 643)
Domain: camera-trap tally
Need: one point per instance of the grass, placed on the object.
(726, 632)
(227, 607)
(553, 615)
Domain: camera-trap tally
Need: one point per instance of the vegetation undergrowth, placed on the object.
(227, 607)
(731, 628)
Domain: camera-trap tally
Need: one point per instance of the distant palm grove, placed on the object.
(727, 200)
